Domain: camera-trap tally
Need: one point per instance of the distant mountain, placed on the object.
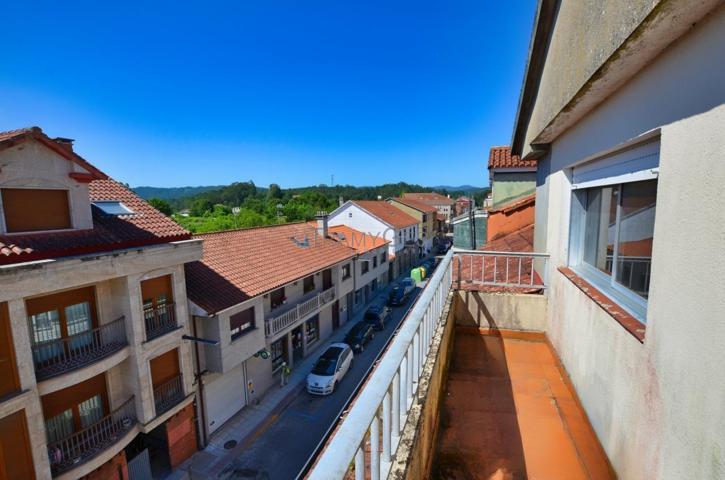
(172, 193)
(461, 188)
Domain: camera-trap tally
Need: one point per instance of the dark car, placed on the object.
(359, 336)
(398, 296)
(429, 266)
(377, 315)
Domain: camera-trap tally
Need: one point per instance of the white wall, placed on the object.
(355, 217)
(656, 406)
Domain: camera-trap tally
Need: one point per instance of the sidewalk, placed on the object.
(252, 420)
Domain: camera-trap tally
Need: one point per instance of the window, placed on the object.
(90, 411)
(615, 228)
(113, 208)
(375, 261)
(32, 210)
(346, 271)
(277, 298)
(364, 266)
(312, 329)
(241, 323)
(277, 352)
(383, 257)
(308, 284)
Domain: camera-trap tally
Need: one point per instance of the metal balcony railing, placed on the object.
(499, 269)
(69, 353)
(159, 320)
(276, 324)
(168, 394)
(388, 395)
(81, 446)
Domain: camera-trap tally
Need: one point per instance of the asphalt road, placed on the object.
(282, 450)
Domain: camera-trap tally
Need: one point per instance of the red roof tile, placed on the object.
(416, 204)
(387, 213)
(521, 240)
(239, 264)
(515, 204)
(147, 226)
(500, 157)
(431, 198)
(361, 242)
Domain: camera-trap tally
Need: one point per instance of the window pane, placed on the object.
(637, 221)
(78, 318)
(91, 411)
(599, 227)
(60, 426)
(45, 326)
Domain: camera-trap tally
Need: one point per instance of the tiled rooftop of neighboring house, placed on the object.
(431, 198)
(239, 264)
(146, 226)
(500, 157)
(362, 242)
(387, 213)
(515, 204)
(521, 240)
(416, 204)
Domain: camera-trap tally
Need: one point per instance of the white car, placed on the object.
(329, 369)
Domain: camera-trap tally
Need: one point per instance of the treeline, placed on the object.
(243, 204)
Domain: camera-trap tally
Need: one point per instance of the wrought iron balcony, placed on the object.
(83, 445)
(65, 354)
(159, 320)
(168, 394)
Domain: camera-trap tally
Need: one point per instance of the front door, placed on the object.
(336, 315)
(327, 279)
(298, 347)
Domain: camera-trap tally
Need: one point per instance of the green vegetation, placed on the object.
(243, 204)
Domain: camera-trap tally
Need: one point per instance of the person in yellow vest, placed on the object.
(284, 373)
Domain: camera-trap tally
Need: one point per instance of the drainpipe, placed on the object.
(354, 284)
(201, 437)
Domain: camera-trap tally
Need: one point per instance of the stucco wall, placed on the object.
(505, 311)
(507, 187)
(656, 407)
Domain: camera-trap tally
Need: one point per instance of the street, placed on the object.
(283, 448)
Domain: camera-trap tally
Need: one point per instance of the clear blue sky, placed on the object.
(273, 91)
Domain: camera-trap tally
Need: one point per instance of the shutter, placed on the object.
(31, 210)
(634, 164)
(224, 397)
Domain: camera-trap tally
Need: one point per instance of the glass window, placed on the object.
(346, 271)
(241, 323)
(113, 208)
(277, 352)
(60, 426)
(312, 329)
(45, 326)
(308, 284)
(599, 227)
(91, 411)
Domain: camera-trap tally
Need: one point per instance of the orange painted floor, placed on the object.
(508, 414)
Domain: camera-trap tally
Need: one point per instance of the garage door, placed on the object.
(224, 397)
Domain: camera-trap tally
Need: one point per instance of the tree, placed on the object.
(274, 191)
(161, 205)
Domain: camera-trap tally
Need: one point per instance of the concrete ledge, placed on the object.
(82, 374)
(501, 311)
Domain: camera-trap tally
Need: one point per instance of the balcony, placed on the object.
(159, 320)
(306, 307)
(83, 445)
(65, 354)
(508, 410)
(168, 394)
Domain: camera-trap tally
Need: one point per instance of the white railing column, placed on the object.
(375, 448)
(409, 377)
(403, 389)
(360, 464)
(416, 357)
(386, 427)
(396, 403)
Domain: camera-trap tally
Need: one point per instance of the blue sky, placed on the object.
(209, 93)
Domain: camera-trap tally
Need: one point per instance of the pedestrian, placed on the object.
(284, 373)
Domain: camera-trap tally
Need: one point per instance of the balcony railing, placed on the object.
(69, 353)
(168, 394)
(159, 320)
(499, 269)
(81, 446)
(389, 393)
(276, 324)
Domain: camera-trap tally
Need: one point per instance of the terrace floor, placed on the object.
(509, 414)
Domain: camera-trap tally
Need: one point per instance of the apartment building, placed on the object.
(262, 296)
(94, 369)
(426, 216)
(510, 176)
(443, 204)
(370, 266)
(380, 219)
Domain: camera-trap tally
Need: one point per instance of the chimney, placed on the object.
(321, 223)
(340, 201)
(65, 143)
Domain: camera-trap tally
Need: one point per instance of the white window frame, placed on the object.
(610, 172)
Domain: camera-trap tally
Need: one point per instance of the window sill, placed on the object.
(624, 318)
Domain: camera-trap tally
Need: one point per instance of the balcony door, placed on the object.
(327, 279)
(74, 408)
(61, 315)
(158, 301)
(16, 460)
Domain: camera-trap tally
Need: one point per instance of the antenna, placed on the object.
(332, 180)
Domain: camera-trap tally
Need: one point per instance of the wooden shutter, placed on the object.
(16, 460)
(239, 320)
(9, 381)
(164, 367)
(31, 210)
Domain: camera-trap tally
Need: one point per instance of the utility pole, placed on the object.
(332, 180)
(472, 223)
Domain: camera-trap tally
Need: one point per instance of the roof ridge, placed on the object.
(259, 227)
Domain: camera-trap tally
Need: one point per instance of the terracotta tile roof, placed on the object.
(361, 242)
(147, 226)
(500, 157)
(239, 264)
(515, 204)
(521, 240)
(431, 198)
(417, 204)
(387, 213)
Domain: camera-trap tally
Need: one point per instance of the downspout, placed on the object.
(200, 387)
(354, 282)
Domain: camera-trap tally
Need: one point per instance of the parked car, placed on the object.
(397, 296)
(329, 369)
(377, 315)
(359, 336)
(429, 265)
(408, 284)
